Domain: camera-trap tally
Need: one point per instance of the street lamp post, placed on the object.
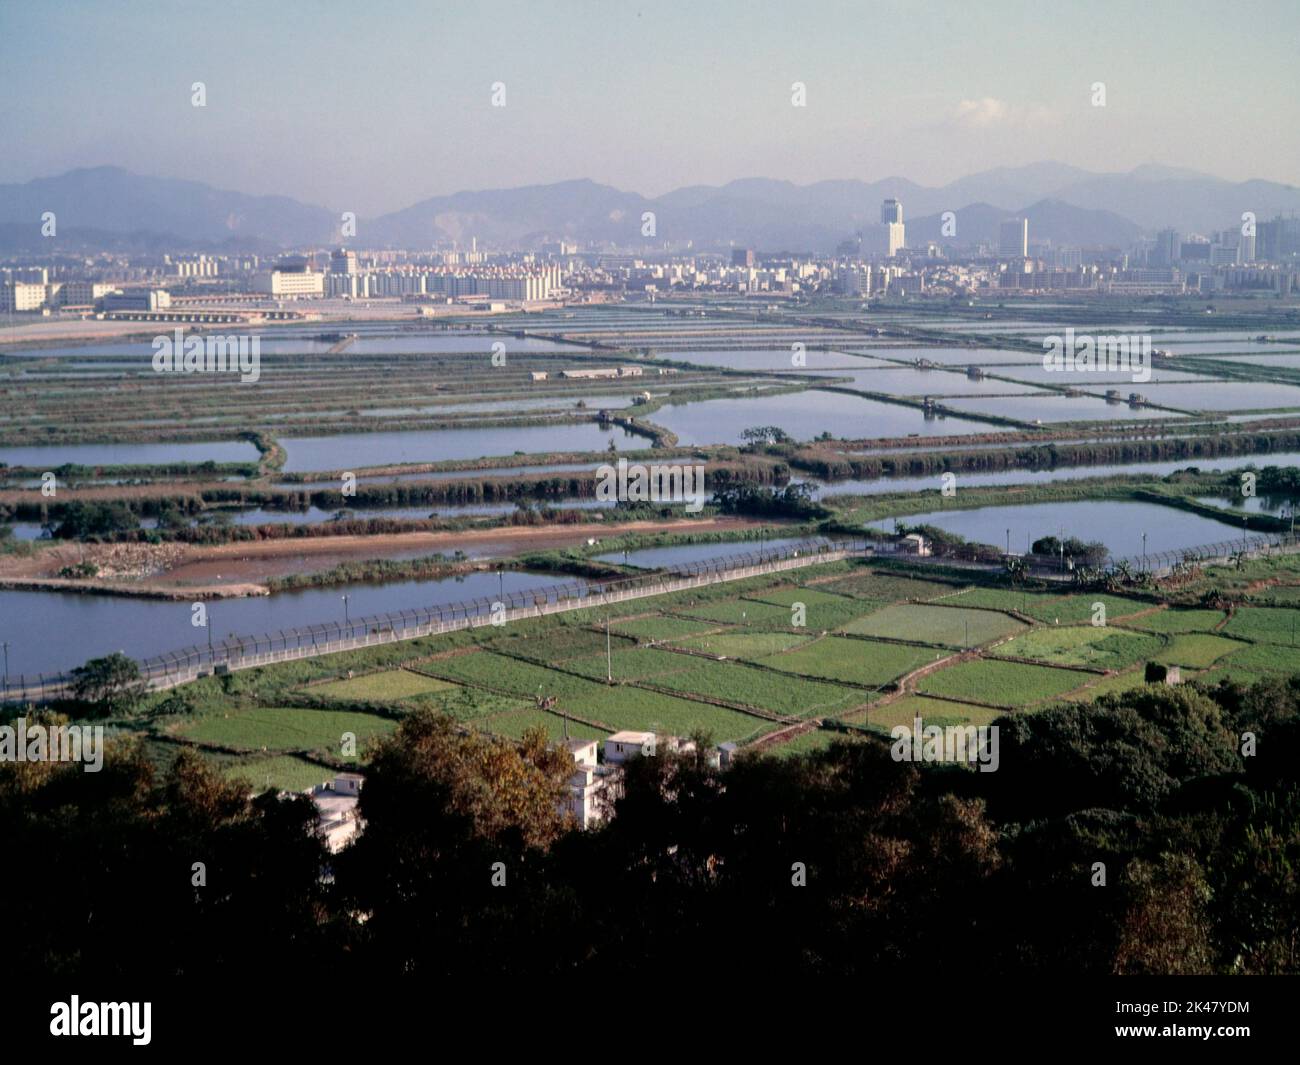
(6, 647)
(347, 620)
(1144, 552)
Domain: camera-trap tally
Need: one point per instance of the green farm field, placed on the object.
(949, 626)
(1173, 621)
(660, 627)
(1279, 625)
(863, 662)
(751, 646)
(282, 772)
(392, 685)
(931, 711)
(1100, 647)
(1009, 684)
(1197, 649)
(285, 728)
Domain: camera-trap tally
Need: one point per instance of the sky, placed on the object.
(374, 106)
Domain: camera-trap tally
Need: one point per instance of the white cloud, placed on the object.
(990, 111)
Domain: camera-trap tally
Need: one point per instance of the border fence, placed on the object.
(1160, 563)
(245, 652)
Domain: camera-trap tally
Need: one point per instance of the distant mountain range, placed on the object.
(112, 208)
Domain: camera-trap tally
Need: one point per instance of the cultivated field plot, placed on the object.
(389, 686)
(750, 646)
(1001, 599)
(884, 588)
(1197, 650)
(948, 626)
(821, 610)
(557, 645)
(1009, 684)
(639, 663)
(742, 612)
(1266, 624)
(514, 725)
(1281, 593)
(1073, 609)
(286, 728)
(501, 673)
(1175, 620)
(766, 689)
(941, 712)
(281, 772)
(863, 662)
(811, 742)
(660, 627)
(1264, 658)
(1098, 646)
(1119, 682)
(621, 706)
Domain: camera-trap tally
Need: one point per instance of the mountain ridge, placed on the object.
(760, 212)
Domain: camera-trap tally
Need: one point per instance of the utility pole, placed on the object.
(609, 655)
(1144, 552)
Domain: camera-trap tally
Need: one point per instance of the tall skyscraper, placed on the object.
(1013, 239)
(1168, 248)
(886, 239)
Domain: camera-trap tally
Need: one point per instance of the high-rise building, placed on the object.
(1168, 248)
(1013, 239)
(343, 261)
(888, 238)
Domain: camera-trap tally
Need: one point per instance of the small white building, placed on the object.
(588, 795)
(915, 544)
(624, 746)
(336, 809)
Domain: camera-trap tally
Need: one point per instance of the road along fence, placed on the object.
(247, 652)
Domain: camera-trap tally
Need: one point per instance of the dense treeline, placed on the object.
(120, 519)
(922, 869)
(836, 465)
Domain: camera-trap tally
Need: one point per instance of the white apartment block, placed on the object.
(21, 296)
(290, 283)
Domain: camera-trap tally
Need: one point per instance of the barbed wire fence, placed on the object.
(245, 652)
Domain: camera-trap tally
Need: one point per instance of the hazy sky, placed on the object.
(373, 105)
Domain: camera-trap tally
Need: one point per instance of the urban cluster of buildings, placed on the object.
(1260, 256)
